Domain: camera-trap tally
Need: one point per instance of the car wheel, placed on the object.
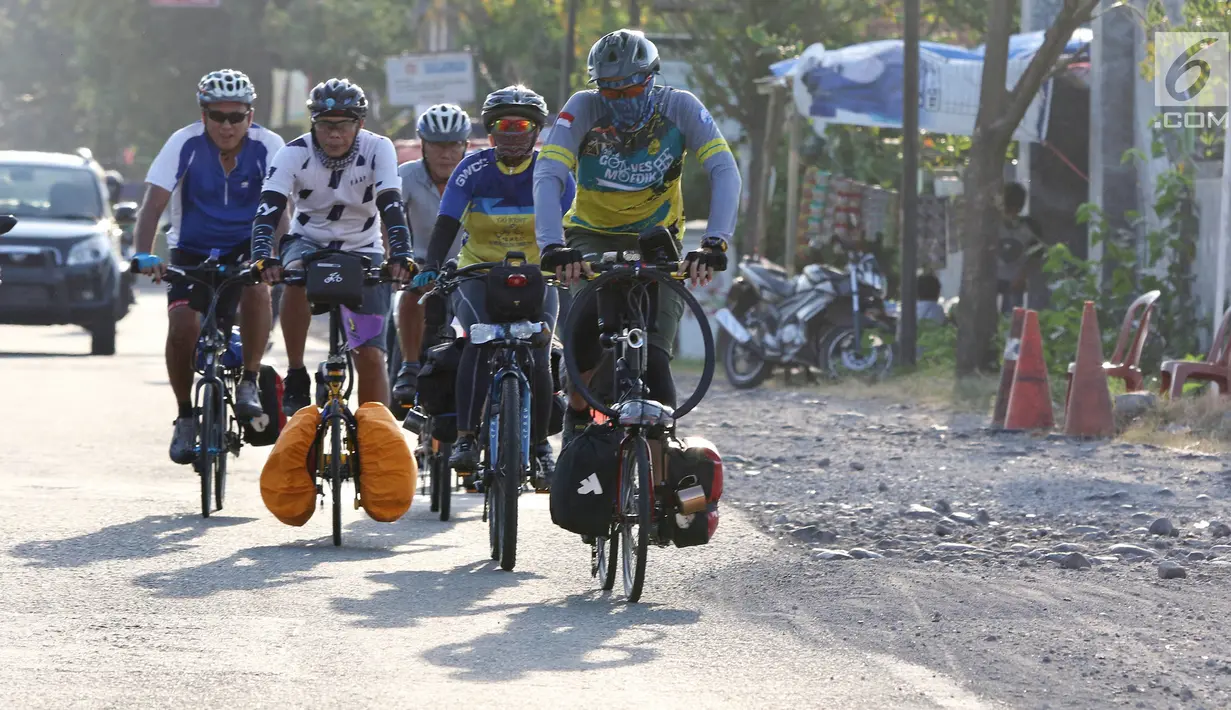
(102, 338)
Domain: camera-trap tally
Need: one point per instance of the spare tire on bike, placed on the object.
(388, 471)
(287, 486)
(264, 430)
(438, 378)
(583, 488)
(694, 461)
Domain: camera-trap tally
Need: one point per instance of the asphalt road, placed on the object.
(116, 593)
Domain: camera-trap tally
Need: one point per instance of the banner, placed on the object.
(861, 85)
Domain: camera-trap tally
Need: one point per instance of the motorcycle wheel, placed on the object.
(732, 353)
(839, 361)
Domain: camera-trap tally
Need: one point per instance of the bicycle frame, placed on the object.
(504, 363)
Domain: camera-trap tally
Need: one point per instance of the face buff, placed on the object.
(630, 99)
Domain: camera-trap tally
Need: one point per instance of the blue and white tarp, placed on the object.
(861, 85)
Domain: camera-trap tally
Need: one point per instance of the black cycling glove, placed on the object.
(715, 258)
(557, 255)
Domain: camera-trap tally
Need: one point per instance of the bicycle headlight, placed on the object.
(485, 333)
(90, 251)
(525, 330)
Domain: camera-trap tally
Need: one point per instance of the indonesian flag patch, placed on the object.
(565, 120)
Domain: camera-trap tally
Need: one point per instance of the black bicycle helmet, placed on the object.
(515, 100)
(338, 95)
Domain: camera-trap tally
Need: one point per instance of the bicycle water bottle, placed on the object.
(233, 358)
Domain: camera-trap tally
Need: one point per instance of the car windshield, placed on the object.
(49, 192)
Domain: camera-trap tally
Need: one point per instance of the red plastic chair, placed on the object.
(1216, 368)
(1125, 362)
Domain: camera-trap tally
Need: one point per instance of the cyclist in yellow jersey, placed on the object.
(626, 141)
(491, 195)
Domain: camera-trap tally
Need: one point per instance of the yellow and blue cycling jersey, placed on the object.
(495, 204)
(628, 181)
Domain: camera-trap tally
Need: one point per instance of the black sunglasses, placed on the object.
(232, 117)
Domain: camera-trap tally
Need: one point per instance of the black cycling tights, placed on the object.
(474, 383)
(474, 373)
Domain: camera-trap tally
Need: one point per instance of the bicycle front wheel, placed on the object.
(509, 471)
(442, 479)
(635, 500)
(206, 426)
(335, 476)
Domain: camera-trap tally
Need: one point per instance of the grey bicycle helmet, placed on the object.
(225, 85)
(514, 100)
(338, 95)
(622, 53)
(444, 123)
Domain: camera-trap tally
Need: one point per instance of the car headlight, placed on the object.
(485, 333)
(90, 251)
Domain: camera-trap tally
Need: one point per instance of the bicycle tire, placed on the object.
(428, 465)
(635, 482)
(220, 470)
(604, 554)
(205, 437)
(335, 476)
(509, 469)
(442, 477)
(583, 299)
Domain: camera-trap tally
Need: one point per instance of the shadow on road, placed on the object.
(29, 355)
(272, 566)
(152, 536)
(577, 633)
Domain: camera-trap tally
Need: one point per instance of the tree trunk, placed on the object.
(1000, 112)
(768, 149)
(746, 236)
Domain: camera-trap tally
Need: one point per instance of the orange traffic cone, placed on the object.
(1030, 395)
(1011, 347)
(1089, 410)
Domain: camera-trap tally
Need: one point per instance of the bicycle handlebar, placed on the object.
(231, 274)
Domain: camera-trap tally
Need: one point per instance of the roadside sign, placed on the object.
(185, 3)
(442, 77)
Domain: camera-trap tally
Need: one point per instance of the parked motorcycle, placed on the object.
(834, 321)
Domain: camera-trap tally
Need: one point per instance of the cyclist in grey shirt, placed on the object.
(444, 130)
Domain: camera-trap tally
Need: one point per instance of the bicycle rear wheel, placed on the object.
(220, 471)
(335, 476)
(205, 447)
(509, 470)
(635, 501)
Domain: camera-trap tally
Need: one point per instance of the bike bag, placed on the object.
(387, 469)
(287, 486)
(437, 382)
(515, 291)
(691, 462)
(583, 488)
(335, 279)
(264, 430)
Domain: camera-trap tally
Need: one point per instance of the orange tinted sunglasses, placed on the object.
(514, 125)
(626, 92)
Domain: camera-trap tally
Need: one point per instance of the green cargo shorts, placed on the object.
(670, 305)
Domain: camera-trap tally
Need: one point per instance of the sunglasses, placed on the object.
(337, 126)
(232, 117)
(625, 92)
(514, 125)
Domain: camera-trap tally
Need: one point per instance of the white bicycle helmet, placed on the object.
(444, 123)
(225, 85)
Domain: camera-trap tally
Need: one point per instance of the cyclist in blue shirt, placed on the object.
(210, 173)
(491, 195)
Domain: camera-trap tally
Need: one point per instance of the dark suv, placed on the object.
(62, 263)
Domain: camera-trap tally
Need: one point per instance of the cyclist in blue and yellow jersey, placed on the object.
(626, 140)
(491, 195)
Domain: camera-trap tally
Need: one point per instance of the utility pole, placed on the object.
(566, 57)
(907, 324)
(634, 13)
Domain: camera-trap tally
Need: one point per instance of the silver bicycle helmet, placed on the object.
(225, 85)
(444, 123)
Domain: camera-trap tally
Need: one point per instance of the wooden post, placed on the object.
(773, 132)
(907, 324)
(792, 189)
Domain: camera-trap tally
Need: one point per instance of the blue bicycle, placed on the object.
(505, 462)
